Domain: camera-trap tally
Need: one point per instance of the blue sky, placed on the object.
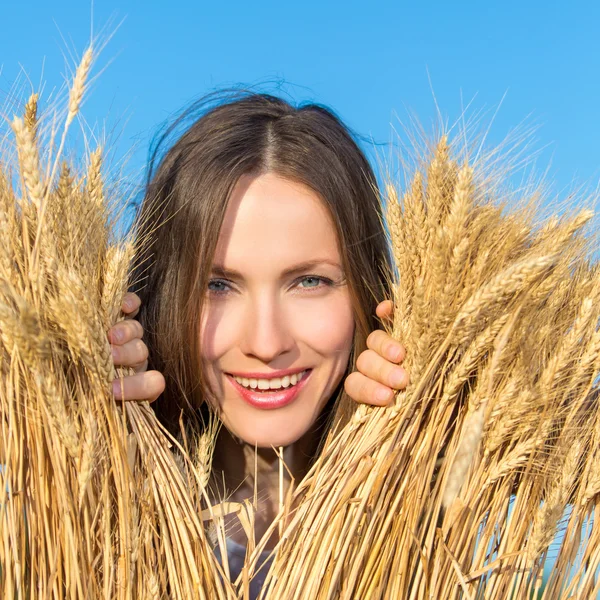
(374, 63)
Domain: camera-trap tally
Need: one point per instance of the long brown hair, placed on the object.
(186, 196)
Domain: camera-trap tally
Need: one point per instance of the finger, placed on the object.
(125, 331)
(141, 386)
(377, 368)
(131, 354)
(366, 391)
(131, 305)
(141, 368)
(385, 309)
(385, 345)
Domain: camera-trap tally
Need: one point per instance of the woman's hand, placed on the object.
(379, 373)
(129, 350)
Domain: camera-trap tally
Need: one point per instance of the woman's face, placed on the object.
(277, 327)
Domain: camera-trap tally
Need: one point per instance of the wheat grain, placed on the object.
(509, 464)
(471, 358)
(78, 86)
(85, 336)
(471, 436)
(114, 274)
(88, 455)
(29, 161)
(31, 116)
(544, 525)
(94, 178)
(460, 207)
(497, 293)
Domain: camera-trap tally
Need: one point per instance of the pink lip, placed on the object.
(272, 399)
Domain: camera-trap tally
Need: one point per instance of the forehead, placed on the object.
(273, 221)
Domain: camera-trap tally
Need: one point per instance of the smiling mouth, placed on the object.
(274, 384)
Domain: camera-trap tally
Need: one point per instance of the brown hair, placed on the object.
(186, 196)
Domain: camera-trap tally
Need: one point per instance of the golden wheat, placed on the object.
(455, 491)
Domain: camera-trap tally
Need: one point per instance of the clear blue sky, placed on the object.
(369, 61)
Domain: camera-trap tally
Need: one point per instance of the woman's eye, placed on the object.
(217, 286)
(313, 282)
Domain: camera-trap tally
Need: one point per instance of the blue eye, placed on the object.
(218, 286)
(312, 282)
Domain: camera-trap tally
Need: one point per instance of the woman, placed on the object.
(267, 261)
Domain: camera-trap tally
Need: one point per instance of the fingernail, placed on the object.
(116, 388)
(117, 335)
(383, 395)
(114, 352)
(397, 378)
(396, 353)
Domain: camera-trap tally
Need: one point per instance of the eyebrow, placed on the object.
(221, 271)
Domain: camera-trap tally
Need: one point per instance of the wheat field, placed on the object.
(458, 490)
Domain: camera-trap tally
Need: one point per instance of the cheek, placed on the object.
(219, 327)
(218, 333)
(326, 325)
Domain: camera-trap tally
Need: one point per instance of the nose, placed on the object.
(266, 333)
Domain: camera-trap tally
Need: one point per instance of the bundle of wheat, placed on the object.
(93, 501)
(457, 490)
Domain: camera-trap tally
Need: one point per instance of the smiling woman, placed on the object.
(268, 260)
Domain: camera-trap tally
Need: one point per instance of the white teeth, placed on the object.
(276, 383)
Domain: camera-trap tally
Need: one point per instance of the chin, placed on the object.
(270, 431)
(269, 440)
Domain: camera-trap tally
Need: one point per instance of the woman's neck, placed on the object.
(241, 472)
